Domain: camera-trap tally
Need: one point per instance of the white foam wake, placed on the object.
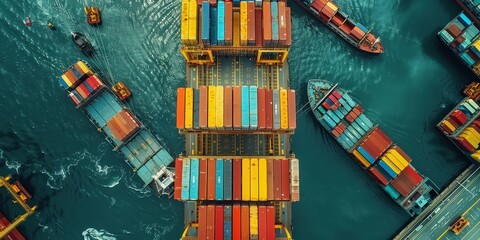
(92, 233)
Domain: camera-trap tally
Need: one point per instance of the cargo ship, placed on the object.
(471, 9)
(339, 22)
(462, 37)
(14, 234)
(372, 149)
(238, 176)
(462, 126)
(124, 131)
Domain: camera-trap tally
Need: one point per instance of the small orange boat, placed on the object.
(121, 90)
(93, 15)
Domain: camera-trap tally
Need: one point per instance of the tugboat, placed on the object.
(121, 90)
(51, 26)
(83, 44)
(94, 17)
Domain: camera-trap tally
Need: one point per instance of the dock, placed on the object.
(460, 198)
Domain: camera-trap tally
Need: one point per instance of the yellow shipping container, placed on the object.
(84, 68)
(253, 221)
(283, 109)
(192, 22)
(243, 23)
(469, 139)
(332, 6)
(184, 22)
(188, 108)
(211, 107)
(472, 134)
(390, 164)
(246, 179)
(399, 157)
(360, 158)
(262, 179)
(254, 179)
(477, 44)
(236, 29)
(449, 125)
(219, 107)
(395, 161)
(476, 156)
(67, 80)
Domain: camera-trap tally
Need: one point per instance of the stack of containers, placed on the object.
(75, 75)
(189, 23)
(123, 125)
(464, 111)
(473, 6)
(86, 89)
(247, 179)
(246, 108)
(473, 91)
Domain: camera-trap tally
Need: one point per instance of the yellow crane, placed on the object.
(20, 196)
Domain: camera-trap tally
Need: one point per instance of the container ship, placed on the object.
(123, 130)
(354, 33)
(461, 36)
(383, 160)
(462, 126)
(12, 235)
(238, 176)
(471, 8)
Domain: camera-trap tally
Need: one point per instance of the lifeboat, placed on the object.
(121, 90)
(93, 15)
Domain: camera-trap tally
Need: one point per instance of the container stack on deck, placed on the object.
(238, 177)
(148, 159)
(462, 127)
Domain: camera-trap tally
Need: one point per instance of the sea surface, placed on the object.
(85, 191)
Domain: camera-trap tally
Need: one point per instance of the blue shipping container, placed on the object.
(245, 108)
(194, 168)
(227, 223)
(349, 100)
(219, 180)
(196, 108)
(213, 26)
(392, 191)
(387, 168)
(366, 155)
(464, 19)
(274, 11)
(185, 179)
(221, 22)
(206, 22)
(345, 104)
(253, 108)
(329, 122)
(227, 179)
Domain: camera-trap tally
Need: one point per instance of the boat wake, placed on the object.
(94, 234)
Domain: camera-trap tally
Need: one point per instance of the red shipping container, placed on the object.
(292, 110)
(98, 80)
(251, 23)
(277, 179)
(401, 186)
(459, 116)
(270, 223)
(289, 27)
(261, 108)
(445, 129)
(82, 92)
(326, 105)
(228, 23)
(237, 107)
(413, 176)
(382, 147)
(453, 122)
(236, 222)
(93, 83)
(282, 25)
(202, 222)
(377, 175)
(84, 88)
(369, 148)
(237, 179)
(245, 225)
(258, 28)
(285, 179)
(268, 108)
(335, 133)
(211, 176)
(202, 180)
(203, 108)
(262, 223)
(181, 108)
(210, 222)
(177, 192)
(219, 222)
(384, 137)
(267, 23)
(74, 98)
(228, 107)
(270, 184)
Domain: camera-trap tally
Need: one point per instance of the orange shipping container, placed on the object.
(237, 107)
(251, 23)
(282, 23)
(228, 107)
(289, 27)
(267, 24)
(180, 108)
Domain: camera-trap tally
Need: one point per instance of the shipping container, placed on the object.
(245, 225)
(212, 92)
(203, 101)
(253, 107)
(227, 179)
(211, 174)
(253, 222)
(267, 26)
(202, 180)
(188, 108)
(192, 23)
(219, 107)
(180, 108)
(292, 118)
(274, 16)
(228, 107)
(251, 23)
(270, 180)
(236, 222)
(210, 222)
(243, 23)
(283, 109)
(245, 107)
(268, 109)
(219, 180)
(295, 179)
(196, 108)
(228, 23)
(289, 27)
(276, 109)
(254, 179)
(285, 179)
(270, 222)
(219, 221)
(237, 107)
(277, 179)
(202, 222)
(213, 25)
(237, 179)
(221, 23)
(246, 179)
(194, 172)
(282, 24)
(205, 23)
(262, 223)
(177, 195)
(227, 218)
(261, 108)
(262, 179)
(258, 27)
(184, 22)
(186, 179)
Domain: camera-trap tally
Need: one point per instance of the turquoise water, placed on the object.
(84, 190)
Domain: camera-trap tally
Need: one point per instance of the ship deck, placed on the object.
(238, 71)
